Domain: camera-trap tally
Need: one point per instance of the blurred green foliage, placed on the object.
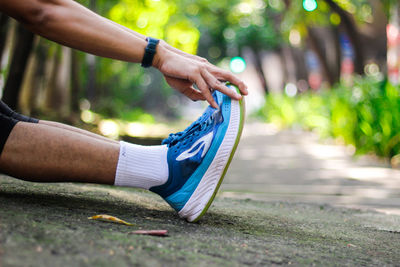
(216, 30)
(121, 87)
(212, 29)
(158, 19)
(365, 115)
(297, 18)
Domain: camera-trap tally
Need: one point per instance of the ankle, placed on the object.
(141, 166)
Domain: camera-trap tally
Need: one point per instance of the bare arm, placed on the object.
(71, 24)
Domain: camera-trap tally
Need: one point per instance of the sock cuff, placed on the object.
(141, 166)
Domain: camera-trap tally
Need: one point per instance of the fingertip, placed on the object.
(214, 104)
(235, 96)
(243, 88)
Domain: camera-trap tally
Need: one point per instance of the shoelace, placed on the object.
(192, 131)
(174, 136)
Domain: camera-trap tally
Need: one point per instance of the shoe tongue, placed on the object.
(206, 115)
(210, 110)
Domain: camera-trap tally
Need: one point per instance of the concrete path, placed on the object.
(47, 224)
(296, 166)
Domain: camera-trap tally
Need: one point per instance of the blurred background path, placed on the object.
(295, 166)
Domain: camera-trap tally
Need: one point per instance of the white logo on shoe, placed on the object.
(204, 142)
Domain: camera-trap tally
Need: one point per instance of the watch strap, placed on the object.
(149, 52)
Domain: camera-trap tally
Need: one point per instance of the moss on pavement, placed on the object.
(47, 225)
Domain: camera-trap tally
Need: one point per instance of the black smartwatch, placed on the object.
(149, 52)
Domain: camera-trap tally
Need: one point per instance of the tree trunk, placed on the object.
(350, 27)
(27, 83)
(3, 33)
(338, 52)
(316, 46)
(57, 97)
(75, 85)
(259, 69)
(91, 63)
(289, 63)
(22, 50)
(64, 83)
(91, 77)
(51, 94)
(37, 83)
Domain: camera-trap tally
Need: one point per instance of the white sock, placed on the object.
(141, 166)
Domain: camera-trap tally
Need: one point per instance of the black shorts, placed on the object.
(8, 119)
(7, 111)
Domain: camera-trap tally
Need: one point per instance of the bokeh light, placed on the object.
(214, 52)
(372, 69)
(302, 85)
(334, 18)
(237, 65)
(294, 37)
(84, 104)
(310, 5)
(291, 89)
(87, 116)
(229, 34)
(135, 129)
(109, 128)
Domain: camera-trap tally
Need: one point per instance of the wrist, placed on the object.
(149, 52)
(159, 55)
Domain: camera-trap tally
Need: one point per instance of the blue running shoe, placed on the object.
(199, 156)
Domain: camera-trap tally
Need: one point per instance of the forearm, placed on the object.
(162, 42)
(140, 36)
(70, 24)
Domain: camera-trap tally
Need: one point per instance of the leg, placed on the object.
(76, 130)
(7, 111)
(57, 148)
(186, 171)
(42, 153)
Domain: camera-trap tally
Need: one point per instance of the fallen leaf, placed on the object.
(108, 218)
(150, 232)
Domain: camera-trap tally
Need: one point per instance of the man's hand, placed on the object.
(182, 70)
(185, 87)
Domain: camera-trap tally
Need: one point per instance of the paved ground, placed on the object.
(47, 225)
(296, 166)
(271, 211)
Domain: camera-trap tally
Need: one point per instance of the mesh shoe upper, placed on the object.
(199, 157)
(187, 149)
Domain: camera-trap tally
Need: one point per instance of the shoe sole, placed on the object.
(212, 179)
